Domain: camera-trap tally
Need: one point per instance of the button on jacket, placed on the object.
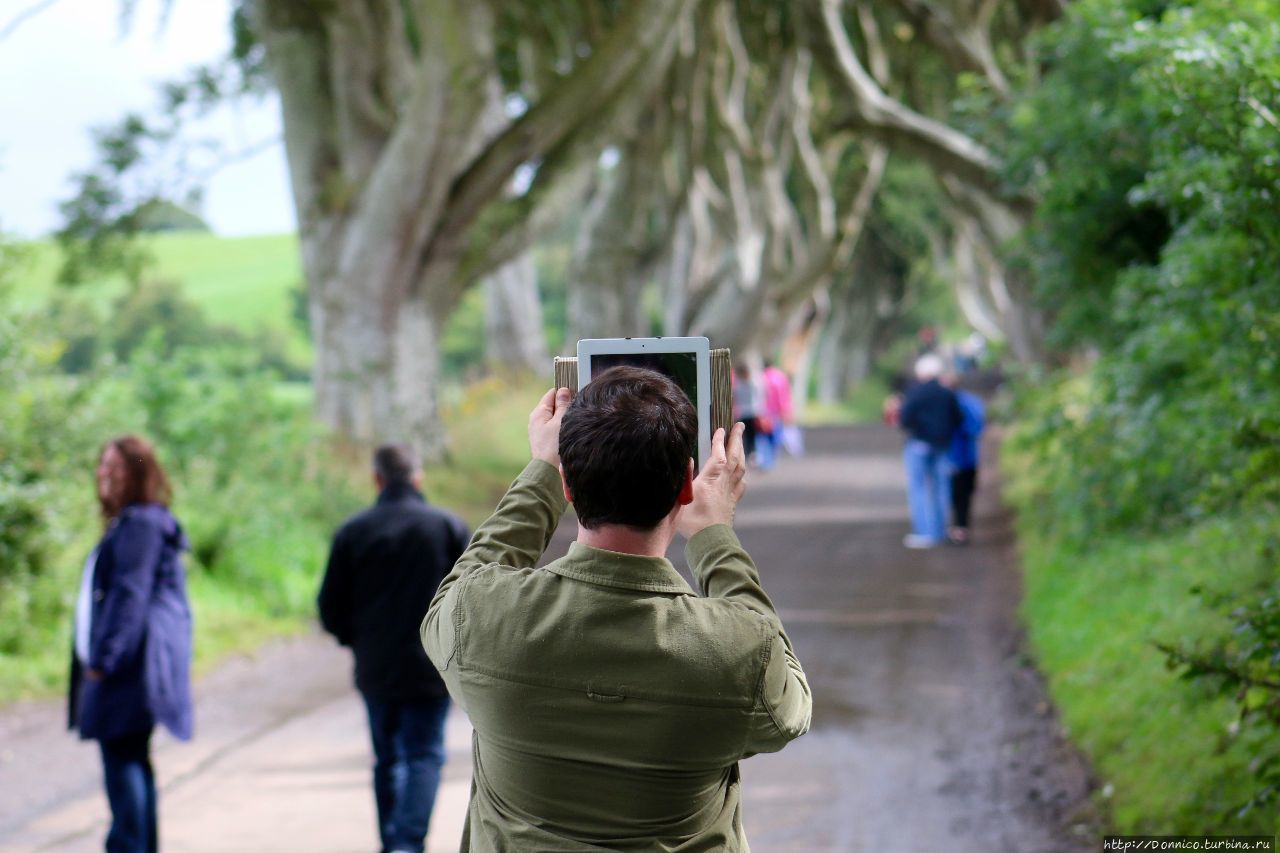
(385, 565)
(610, 702)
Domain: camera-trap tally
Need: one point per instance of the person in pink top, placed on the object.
(778, 407)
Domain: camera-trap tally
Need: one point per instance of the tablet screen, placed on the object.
(680, 367)
(685, 360)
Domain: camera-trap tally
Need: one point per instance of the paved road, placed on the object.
(930, 733)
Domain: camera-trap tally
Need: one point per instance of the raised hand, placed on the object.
(719, 485)
(544, 425)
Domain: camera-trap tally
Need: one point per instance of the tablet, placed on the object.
(686, 360)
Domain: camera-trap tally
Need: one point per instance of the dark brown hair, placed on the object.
(395, 463)
(625, 443)
(144, 479)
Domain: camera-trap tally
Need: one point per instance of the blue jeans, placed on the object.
(408, 752)
(928, 488)
(131, 791)
(767, 448)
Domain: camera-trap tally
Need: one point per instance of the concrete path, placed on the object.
(930, 730)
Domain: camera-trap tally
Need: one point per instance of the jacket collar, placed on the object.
(622, 571)
(399, 492)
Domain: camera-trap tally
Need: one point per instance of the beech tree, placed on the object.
(405, 123)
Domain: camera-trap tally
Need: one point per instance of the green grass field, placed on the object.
(244, 282)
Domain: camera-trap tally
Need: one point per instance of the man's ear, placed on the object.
(564, 484)
(686, 491)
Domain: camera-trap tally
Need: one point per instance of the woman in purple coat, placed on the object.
(131, 660)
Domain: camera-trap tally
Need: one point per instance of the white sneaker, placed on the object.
(918, 542)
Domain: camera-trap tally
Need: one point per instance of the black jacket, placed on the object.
(384, 568)
(931, 414)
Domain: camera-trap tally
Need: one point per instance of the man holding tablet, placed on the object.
(610, 702)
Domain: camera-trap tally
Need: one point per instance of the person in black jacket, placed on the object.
(384, 567)
(930, 415)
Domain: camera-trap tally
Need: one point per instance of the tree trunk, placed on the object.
(866, 303)
(970, 276)
(845, 350)
(983, 224)
(375, 374)
(607, 273)
(514, 338)
(831, 365)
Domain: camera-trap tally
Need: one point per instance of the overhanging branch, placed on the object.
(892, 121)
(642, 36)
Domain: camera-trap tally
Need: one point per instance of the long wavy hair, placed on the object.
(144, 479)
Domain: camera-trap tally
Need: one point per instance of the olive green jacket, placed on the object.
(610, 703)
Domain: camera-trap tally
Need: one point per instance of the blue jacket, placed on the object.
(964, 444)
(931, 414)
(140, 634)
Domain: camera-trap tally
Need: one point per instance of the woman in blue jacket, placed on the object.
(130, 666)
(964, 460)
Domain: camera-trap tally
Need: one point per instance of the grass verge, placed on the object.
(1161, 746)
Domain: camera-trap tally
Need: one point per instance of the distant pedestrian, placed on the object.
(748, 404)
(891, 410)
(779, 409)
(964, 459)
(926, 341)
(930, 416)
(131, 661)
(384, 567)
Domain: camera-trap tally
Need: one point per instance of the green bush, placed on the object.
(1154, 141)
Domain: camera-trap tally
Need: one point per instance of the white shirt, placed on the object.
(84, 608)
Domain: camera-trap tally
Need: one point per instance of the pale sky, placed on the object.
(68, 69)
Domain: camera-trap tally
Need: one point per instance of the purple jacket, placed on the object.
(140, 634)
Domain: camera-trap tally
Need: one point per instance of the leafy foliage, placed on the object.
(1082, 140)
(1176, 419)
(1245, 667)
(1153, 145)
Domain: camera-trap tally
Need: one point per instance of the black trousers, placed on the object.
(749, 435)
(963, 483)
